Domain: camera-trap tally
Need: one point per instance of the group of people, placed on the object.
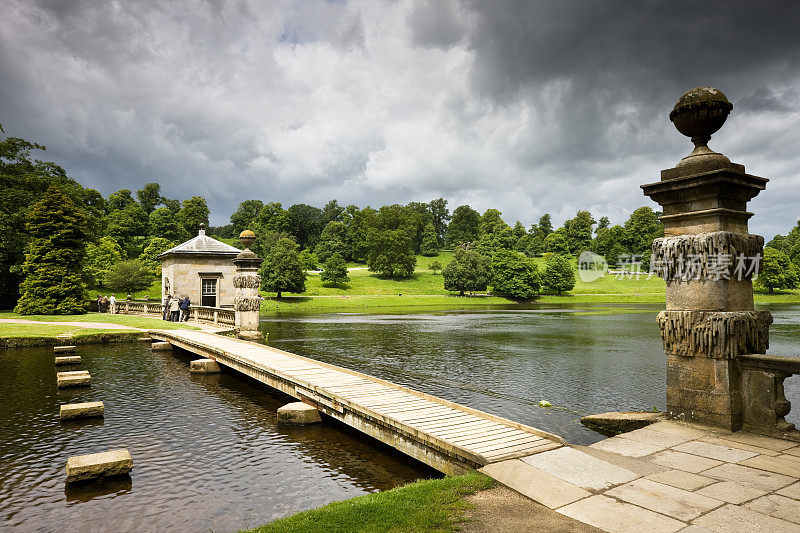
(106, 303)
(176, 310)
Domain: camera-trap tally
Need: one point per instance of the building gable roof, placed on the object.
(201, 245)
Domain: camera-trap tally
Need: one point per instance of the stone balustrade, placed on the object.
(765, 404)
(209, 315)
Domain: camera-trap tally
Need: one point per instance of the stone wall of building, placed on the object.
(185, 279)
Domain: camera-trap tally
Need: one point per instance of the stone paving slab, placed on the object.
(714, 451)
(734, 519)
(580, 469)
(628, 447)
(655, 438)
(731, 492)
(664, 499)
(792, 491)
(761, 441)
(793, 451)
(684, 461)
(536, 484)
(615, 516)
(782, 464)
(643, 467)
(777, 506)
(749, 477)
(681, 479)
(738, 445)
(681, 429)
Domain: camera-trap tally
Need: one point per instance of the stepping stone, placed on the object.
(535, 484)
(95, 465)
(670, 501)
(68, 360)
(71, 411)
(204, 366)
(144, 339)
(298, 413)
(735, 519)
(580, 469)
(80, 378)
(63, 349)
(161, 346)
(611, 515)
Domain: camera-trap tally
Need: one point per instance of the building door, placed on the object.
(209, 292)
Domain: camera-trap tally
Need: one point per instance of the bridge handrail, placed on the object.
(200, 313)
(764, 403)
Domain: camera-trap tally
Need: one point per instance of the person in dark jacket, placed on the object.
(184, 305)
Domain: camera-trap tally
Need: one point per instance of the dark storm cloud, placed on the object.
(524, 106)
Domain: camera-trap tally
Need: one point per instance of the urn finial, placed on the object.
(698, 114)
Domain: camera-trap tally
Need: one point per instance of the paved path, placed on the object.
(106, 325)
(442, 434)
(666, 477)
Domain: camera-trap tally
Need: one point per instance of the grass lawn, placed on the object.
(423, 506)
(153, 293)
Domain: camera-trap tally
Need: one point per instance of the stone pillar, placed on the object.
(708, 259)
(246, 282)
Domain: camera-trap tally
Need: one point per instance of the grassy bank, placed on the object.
(423, 506)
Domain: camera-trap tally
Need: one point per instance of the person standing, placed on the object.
(166, 306)
(185, 304)
(104, 304)
(174, 309)
(112, 300)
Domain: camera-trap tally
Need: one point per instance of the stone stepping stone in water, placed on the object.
(80, 378)
(68, 360)
(63, 349)
(74, 411)
(161, 346)
(96, 465)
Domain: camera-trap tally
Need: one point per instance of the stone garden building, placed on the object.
(200, 268)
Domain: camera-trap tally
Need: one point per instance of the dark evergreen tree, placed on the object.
(52, 268)
(430, 242)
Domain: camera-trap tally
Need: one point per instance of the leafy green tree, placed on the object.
(514, 274)
(502, 237)
(556, 243)
(559, 276)
(441, 216)
(468, 271)
(305, 223)
(390, 242)
(194, 212)
(609, 242)
(790, 244)
(100, 257)
(359, 222)
(23, 182)
(539, 232)
(334, 270)
(526, 244)
(332, 241)
(430, 242)
(641, 229)
(130, 276)
(164, 224)
(308, 259)
(491, 222)
(245, 215)
(777, 271)
(434, 266)
(332, 212)
(463, 227)
(52, 268)
(578, 232)
(149, 197)
(155, 246)
(128, 226)
(282, 270)
(120, 200)
(421, 215)
(519, 230)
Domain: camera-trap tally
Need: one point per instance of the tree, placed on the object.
(556, 243)
(130, 277)
(390, 242)
(578, 232)
(559, 275)
(641, 229)
(332, 212)
(334, 270)
(194, 212)
(777, 271)
(100, 258)
(502, 237)
(117, 201)
(281, 270)
(245, 215)
(434, 266)
(171, 204)
(441, 215)
(308, 260)
(540, 232)
(468, 271)
(305, 223)
(421, 216)
(52, 268)
(609, 242)
(149, 197)
(430, 242)
(491, 222)
(332, 241)
(360, 220)
(128, 226)
(514, 274)
(155, 247)
(463, 227)
(164, 224)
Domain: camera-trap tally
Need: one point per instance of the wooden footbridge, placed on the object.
(447, 436)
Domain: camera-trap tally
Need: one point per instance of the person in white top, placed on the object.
(174, 309)
(112, 304)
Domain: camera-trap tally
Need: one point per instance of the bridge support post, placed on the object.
(246, 282)
(708, 258)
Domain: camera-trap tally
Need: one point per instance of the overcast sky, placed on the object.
(528, 107)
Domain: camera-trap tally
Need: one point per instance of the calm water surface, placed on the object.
(210, 455)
